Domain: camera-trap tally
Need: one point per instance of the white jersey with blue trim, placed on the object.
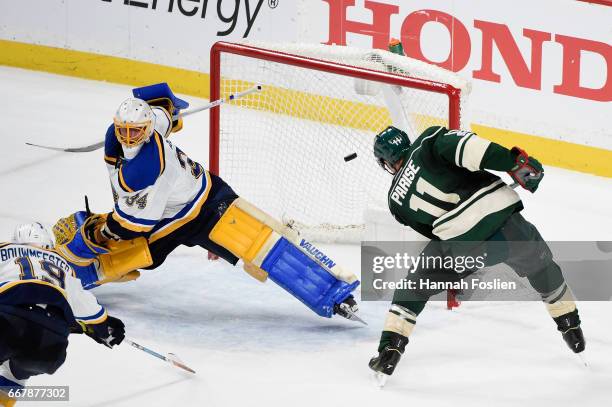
(32, 275)
(158, 189)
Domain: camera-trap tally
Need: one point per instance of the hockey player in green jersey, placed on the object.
(441, 188)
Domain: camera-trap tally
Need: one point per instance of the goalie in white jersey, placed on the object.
(41, 303)
(163, 200)
(159, 192)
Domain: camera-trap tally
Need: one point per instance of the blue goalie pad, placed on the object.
(305, 279)
(160, 91)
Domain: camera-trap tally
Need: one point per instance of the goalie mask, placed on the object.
(134, 122)
(33, 233)
(390, 145)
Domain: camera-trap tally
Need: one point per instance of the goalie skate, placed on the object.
(347, 309)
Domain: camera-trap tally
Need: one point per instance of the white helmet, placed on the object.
(134, 122)
(33, 233)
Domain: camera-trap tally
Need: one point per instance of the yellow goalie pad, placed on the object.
(249, 233)
(241, 234)
(255, 272)
(125, 257)
(246, 236)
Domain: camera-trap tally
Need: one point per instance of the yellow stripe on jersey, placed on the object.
(110, 160)
(5, 244)
(67, 254)
(102, 318)
(126, 224)
(122, 182)
(162, 158)
(12, 284)
(195, 211)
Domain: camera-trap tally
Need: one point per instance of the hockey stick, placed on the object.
(95, 146)
(169, 359)
(84, 149)
(221, 101)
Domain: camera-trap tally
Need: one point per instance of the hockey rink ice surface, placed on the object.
(252, 344)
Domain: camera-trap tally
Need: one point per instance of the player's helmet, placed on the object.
(33, 233)
(134, 122)
(389, 146)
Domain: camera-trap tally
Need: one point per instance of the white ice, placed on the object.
(253, 344)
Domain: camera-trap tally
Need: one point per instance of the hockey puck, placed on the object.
(350, 157)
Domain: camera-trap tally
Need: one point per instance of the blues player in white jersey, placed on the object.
(163, 200)
(159, 192)
(41, 303)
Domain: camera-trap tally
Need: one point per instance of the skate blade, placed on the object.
(353, 317)
(380, 379)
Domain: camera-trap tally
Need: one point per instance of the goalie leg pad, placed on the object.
(241, 234)
(305, 279)
(255, 242)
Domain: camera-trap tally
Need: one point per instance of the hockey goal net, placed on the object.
(283, 148)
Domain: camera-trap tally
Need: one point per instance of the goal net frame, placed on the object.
(453, 93)
(324, 74)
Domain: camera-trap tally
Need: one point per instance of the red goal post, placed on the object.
(309, 115)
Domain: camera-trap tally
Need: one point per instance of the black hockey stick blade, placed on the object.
(84, 149)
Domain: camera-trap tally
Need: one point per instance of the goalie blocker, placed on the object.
(267, 247)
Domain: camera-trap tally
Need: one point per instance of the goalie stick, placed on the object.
(100, 144)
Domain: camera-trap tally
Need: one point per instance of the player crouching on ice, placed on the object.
(442, 190)
(41, 303)
(163, 199)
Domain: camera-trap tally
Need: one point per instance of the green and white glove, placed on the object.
(527, 171)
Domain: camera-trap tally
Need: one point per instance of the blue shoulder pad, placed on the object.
(305, 279)
(112, 147)
(160, 91)
(144, 169)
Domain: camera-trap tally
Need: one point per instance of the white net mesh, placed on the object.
(283, 148)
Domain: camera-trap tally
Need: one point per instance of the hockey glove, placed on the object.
(109, 333)
(527, 171)
(78, 237)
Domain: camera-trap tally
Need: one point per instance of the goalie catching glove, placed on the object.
(527, 171)
(97, 259)
(78, 237)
